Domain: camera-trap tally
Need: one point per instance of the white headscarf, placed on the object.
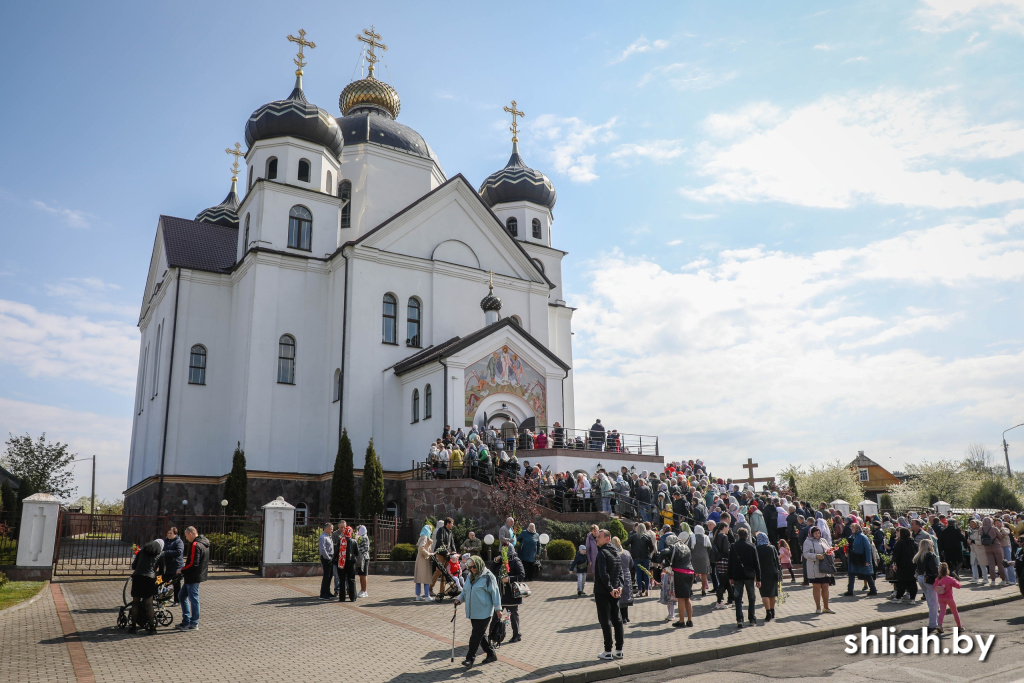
(826, 535)
(160, 542)
(361, 531)
(699, 537)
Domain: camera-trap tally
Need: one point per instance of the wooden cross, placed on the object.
(515, 112)
(371, 38)
(236, 152)
(751, 479)
(303, 43)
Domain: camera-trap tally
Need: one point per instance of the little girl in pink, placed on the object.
(786, 559)
(944, 586)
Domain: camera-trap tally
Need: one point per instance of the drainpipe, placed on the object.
(167, 408)
(344, 330)
(445, 366)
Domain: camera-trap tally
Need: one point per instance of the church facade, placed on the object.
(342, 289)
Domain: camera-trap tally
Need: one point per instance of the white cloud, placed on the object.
(887, 147)
(104, 353)
(73, 218)
(674, 243)
(949, 15)
(640, 46)
(777, 355)
(686, 76)
(659, 151)
(824, 47)
(570, 139)
(90, 294)
(85, 433)
(855, 60)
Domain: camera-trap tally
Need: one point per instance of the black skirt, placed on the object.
(143, 587)
(683, 584)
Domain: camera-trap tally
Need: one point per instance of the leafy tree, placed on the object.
(994, 493)
(8, 501)
(343, 482)
(905, 496)
(827, 482)
(103, 506)
(40, 466)
(462, 527)
(947, 480)
(514, 497)
(236, 487)
(979, 460)
(371, 502)
(885, 502)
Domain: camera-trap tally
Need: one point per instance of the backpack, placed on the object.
(986, 539)
(714, 554)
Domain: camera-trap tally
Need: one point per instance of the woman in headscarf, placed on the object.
(678, 557)
(423, 572)
(363, 567)
(903, 551)
(814, 551)
(986, 540)
(722, 546)
(483, 600)
(771, 574)
(145, 567)
(346, 559)
(700, 546)
(755, 518)
(508, 575)
(741, 522)
(952, 542)
(822, 526)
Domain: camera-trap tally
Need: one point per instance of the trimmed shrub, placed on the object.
(403, 552)
(885, 502)
(574, 532)
(616, 528)
(3, 579)
(561, 550)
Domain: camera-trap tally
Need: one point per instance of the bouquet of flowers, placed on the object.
(782, 594)
(842, 543)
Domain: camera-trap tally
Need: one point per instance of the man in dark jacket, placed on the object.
(173, 560)
(597, 436)
(744, 573)
(641, 549)
(608, 583)
(197, 559)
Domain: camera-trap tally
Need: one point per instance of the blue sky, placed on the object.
(793, 234)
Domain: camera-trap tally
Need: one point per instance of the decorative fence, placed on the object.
(384, 531)
(8, 537)
(105, 544)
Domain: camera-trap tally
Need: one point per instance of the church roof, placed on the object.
(369, 127)
(199, 245)
(12, 480)
(518, 182)
(432, 354)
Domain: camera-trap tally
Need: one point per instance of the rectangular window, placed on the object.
(863, 474)
(197, 365)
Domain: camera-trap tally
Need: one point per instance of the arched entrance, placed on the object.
(499, 407)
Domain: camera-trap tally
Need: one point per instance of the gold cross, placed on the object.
(490, 280)
(236, 152)
(371, 38)
(515, 112)
(303, 43)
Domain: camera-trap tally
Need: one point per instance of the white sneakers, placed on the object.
(817, 611)
(617, 654)
(608, 656)
(362, 594)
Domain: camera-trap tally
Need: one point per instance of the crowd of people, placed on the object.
(172, 560)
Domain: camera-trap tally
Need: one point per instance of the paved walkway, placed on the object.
(267, 630)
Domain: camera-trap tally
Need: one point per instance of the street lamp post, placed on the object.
(92, 492)
(1006, 450)
(224, 516)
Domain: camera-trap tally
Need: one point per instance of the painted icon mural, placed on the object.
(505, 372)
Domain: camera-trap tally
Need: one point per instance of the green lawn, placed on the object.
(17, 591)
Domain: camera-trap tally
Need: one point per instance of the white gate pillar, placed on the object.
(278, 529)
(38, 530)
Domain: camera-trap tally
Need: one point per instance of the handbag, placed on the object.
(827, 565)
(520, 590)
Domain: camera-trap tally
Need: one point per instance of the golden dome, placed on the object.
(369, 92)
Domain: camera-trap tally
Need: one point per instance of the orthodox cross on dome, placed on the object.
(515, 112)
(236, 152)
(490, 280)
(303, 43)
(371, 38)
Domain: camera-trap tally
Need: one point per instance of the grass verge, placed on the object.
(14, 592)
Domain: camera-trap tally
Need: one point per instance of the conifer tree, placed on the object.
(343, 482)
(236, 487)
(372, 499)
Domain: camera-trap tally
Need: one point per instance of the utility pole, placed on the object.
(1006, 451)
(92, 492)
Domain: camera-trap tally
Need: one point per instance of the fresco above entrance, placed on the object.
(505, 372)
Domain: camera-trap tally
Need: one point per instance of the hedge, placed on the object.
(561, 550)
(403, 552)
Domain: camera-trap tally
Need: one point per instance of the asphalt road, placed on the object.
(825, 660)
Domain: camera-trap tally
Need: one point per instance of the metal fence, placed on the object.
(385, 533)
(106, 544)
(8, 537)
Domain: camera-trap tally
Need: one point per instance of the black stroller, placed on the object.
(449, 587)
(164, 596)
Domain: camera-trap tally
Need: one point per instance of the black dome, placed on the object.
(297, 118)
(225, 213)
(490, 302)
(364, 125)
(517, 182)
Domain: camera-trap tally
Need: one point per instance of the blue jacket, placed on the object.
(579, 564)
(173, 556)
(859, 543)
(529, 544)
(481, 597)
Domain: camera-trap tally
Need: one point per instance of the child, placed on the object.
(455, 570)
(786, 559)
(944, 586)
(580, 565)
(465, 568)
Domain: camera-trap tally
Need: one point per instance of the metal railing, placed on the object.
(606, 442)
(385, 533)
(8, 537)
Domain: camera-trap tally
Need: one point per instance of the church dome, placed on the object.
(365, 125)
(369, 93)
(225, 213)
(295, 117)
(517, 182)
(490, 302)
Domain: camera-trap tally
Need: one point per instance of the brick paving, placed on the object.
(272, 629)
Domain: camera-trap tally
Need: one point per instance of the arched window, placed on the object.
(330, 183)
(272, 168)
(390, 332)
(415, 405)
(286, 360)
(304, 170)
(249, 183)
(345, 193)
(245, 236)
(197, 365)
(300, 228)
(412, 322)
(536, 228)
(512, 225)
(392, 509)
(337, 385)
(301, 514)
(142, 380)
(427, 396)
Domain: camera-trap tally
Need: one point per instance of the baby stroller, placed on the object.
(164, 596)
(440, 564)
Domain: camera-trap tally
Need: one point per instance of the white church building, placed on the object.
(347, 287)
